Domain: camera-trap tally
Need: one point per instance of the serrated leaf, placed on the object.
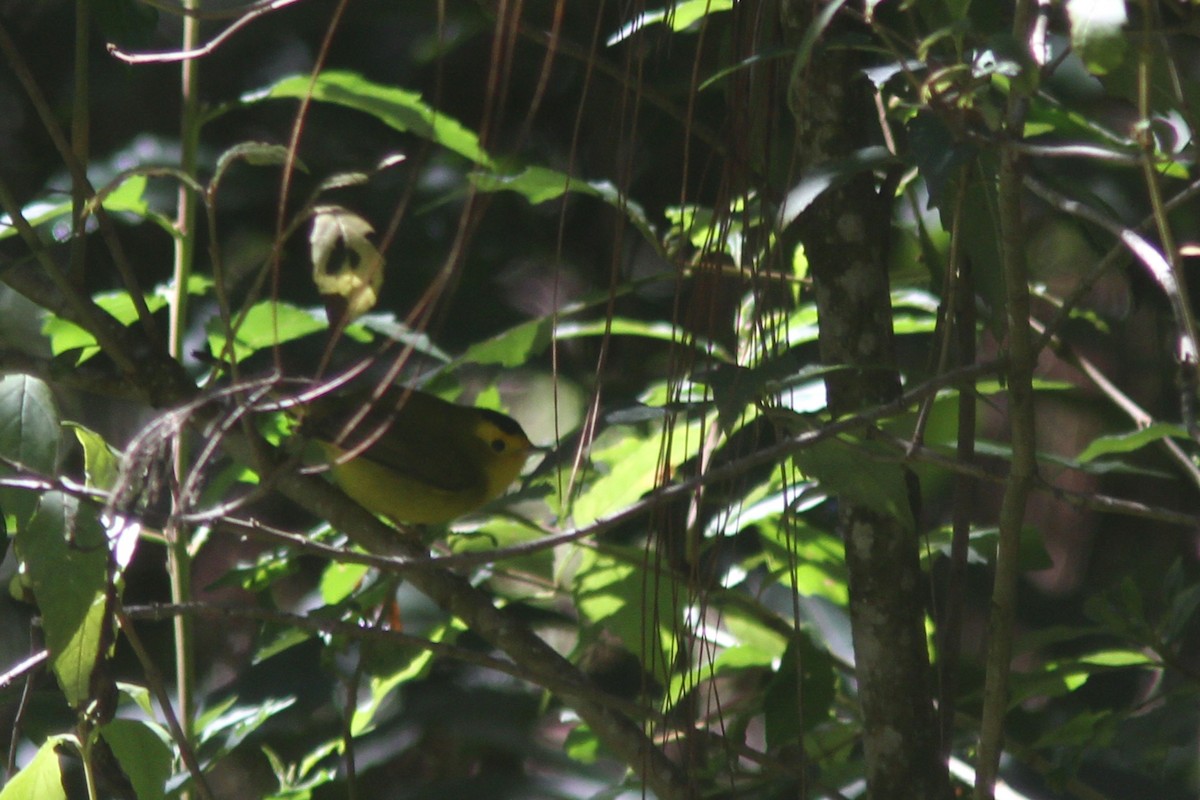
(256, 154)
(541, 184)
(397, 108)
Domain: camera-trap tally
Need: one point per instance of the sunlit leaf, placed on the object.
(679, 16)
(64, 558)
(40, 779)
(513, 347)
(264, 325)
(66, 336)
(618, 594)
(398, 108)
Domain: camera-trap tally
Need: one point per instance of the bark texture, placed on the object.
(845, 237)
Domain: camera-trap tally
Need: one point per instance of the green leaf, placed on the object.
(237, 722)
(144, 753)
(297, 781)
(1133, 440)
(339, 581)
(801, 693)
(285, 639)
(624, 326)
(629, 461)
(750, 631)
(416, 665)
(822, 178)
(541, 184)
(502, 532)
(808, 561)
(1118, 657)
(397, 108)
(1032, 555)
(256, 154)
(265, 325)
(1096, 33)
(618, 594)
(1091, 729)
(101, 463)
(846, 469)
(512, 348)
(582, 745)
(29, 438)
(64, 558)
(40, 779)
(255, 576)
(679, 15)
(128, 195)
(65, 336)
(140, 695)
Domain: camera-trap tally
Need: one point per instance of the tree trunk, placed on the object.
(844, 233)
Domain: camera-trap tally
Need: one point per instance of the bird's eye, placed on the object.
(498, 445)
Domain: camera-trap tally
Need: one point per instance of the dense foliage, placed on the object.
(601, 221)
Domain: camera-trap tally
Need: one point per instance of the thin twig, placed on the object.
(171, 56)
(155, 682)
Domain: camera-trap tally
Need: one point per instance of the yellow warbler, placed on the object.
(415, 458)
